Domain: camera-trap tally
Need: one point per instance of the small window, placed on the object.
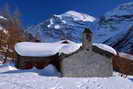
(88, 49)
(88, 37)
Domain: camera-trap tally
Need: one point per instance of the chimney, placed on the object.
(87, 39)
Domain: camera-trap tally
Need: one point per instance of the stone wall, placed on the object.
(87, 64)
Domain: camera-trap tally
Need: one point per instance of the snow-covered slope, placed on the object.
(69, 25)
(115, 28)
(12, 78)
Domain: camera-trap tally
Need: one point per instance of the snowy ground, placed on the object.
(12, 78)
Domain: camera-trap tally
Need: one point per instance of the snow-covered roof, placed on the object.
(45, 49)
(106, 48)
(70, 48)
(125, 55)
(37, 49)
(49, 49)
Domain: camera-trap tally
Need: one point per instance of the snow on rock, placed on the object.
(64, 21)
(45, 49)
(1, 17)
(106, 48)
(51, 23)
(80, 17)
(57, 26)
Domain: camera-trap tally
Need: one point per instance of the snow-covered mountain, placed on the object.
(114, 28)
(69, 25)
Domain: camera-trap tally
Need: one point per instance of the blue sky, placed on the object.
(35, 11)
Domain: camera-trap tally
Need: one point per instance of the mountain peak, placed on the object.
(77, 16)
(80, 16)
(68, 25)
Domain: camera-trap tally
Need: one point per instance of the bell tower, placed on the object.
(87, 39)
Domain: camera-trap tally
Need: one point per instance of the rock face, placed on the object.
(87, 62)
(126, 44)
